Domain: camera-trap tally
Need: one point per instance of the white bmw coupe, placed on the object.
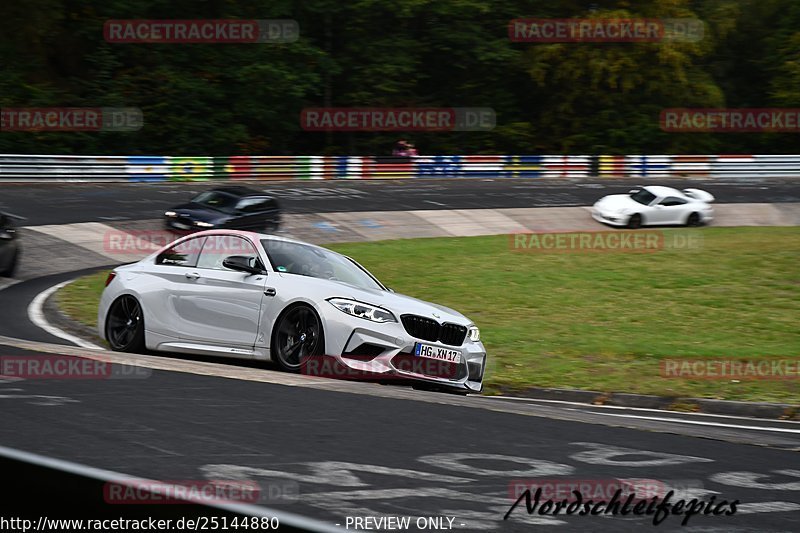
(654, 205)
(243, 294)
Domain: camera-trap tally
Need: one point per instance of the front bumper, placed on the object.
(184, 225)
(360, 349)
(613, 219)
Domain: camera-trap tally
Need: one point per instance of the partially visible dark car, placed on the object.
(233, 207)
(9, 246)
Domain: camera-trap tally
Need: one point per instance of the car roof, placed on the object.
(238, 190)
(660, 190)
(254, 235)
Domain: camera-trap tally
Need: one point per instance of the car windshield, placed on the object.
(304, 260)
(217, 200)
(643, 196)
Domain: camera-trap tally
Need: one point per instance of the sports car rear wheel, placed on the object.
(297, 336)
(635, 221)
(693, 220)
(125, 325)
(12, 266)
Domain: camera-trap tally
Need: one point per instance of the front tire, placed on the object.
(125, 325)
(635, 222)
(297, 336)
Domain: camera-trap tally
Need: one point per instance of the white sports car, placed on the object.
(243, 294)
(655, 205)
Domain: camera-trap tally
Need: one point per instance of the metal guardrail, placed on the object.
(165, 168)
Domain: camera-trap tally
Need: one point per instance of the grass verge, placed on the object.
(598, 321)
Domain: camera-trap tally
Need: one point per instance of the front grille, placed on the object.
(430, 330)
(452, 334)
(421, 327)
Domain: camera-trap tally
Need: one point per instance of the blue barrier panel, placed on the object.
(147, 168)
(438, 165)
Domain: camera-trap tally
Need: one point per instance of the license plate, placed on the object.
(435, 352)
(180, 225)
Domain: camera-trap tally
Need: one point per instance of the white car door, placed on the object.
(669, 210)
(219, 306)
(167, 279)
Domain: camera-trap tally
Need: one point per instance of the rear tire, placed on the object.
(12, 267)
(125, 325)
(635, 222)
(693, 221)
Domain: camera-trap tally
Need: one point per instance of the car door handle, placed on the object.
(269, 291)
(192, 275)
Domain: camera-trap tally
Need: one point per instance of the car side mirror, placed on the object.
(241, 263)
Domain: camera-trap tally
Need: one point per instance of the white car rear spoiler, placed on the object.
(699, 194)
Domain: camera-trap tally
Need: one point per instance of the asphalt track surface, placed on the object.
(333, 454)
(14, 301)
(344, 449)
(66, 203)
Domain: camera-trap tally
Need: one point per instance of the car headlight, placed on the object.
(170, 214)
(362, 310)
(204, 224)
(474, 333)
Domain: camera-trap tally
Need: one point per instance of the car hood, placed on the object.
(399, 304)
(194, 211)
(617, 202)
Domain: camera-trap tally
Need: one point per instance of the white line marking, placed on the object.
(36, 315)
(702, 423)
(648, 409)
(768, 507)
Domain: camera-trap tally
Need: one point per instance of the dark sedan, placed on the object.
(233, 207)
(9, 246)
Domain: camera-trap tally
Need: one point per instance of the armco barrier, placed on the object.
(163, 168)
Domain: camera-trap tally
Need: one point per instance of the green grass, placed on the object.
(79, 299)
(599, 321)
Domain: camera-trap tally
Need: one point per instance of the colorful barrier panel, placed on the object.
(316, 167)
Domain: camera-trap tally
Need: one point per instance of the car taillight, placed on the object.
(110, 278)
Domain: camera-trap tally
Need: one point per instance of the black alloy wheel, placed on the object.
(125, 325)
(297, 337)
